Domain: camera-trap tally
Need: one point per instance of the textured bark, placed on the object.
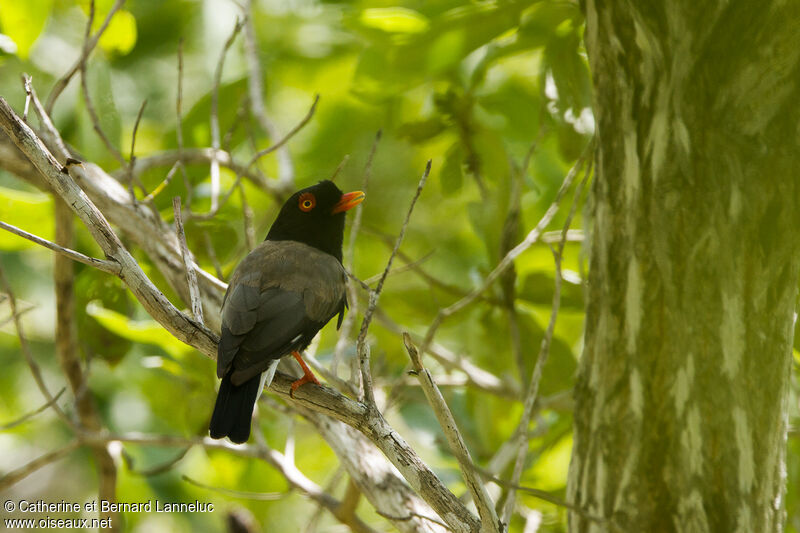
(681, 400)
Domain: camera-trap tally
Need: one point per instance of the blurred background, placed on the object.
(496, 94)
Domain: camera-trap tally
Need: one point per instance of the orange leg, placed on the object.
(308, 376)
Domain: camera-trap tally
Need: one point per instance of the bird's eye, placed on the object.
(307, 202)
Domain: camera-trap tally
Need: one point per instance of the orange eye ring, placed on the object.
(306, 202)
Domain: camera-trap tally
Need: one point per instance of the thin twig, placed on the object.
(483, 501)
(339, 167)
(247, 216)
(544, 351)
(24, 418)
(258, 496)
(26, 352)
(349, 257)
(212, 254)
(215, 139)
(179, 129)
(132, 158)
(202, 156)
(44, 118)
(26, 82)
(87, 97)
(163, 185)
(410, 265)
(411, 515)
(88, 46)
(191, 275)
(110, 267)
(157, 469)
(256, 97)
(362, 349)
(29, 468)
(509, 258)
(286, 137)
(542, 495)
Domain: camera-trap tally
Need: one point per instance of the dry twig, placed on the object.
(362, 349)
(191, 275)
(484, 503)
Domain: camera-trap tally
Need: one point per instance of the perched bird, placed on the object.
(278, 298)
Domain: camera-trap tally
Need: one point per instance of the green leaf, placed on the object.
(142, 331)
(30, 211)
(394, 20)
(569, 70)
(420, 131)
(120, 36)
(452, 175)
(23, 22)
(550, 471)
(392, 65)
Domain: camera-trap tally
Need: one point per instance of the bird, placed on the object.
(279, 296)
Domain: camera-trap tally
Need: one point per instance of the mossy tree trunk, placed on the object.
(681, 401)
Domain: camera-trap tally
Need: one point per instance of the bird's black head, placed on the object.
(315, 216)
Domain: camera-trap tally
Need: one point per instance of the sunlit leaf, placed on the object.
(30, 211)
(394, 19)
(143, 331)
(22, 22)
(120, 36)
(550, 470)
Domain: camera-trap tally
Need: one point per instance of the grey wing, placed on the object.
(277, 306)
(258, 327)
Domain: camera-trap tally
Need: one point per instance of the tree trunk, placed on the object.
(681, 400)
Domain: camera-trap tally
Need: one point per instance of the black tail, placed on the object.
(234, 409)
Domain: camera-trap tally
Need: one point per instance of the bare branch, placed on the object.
(179, 128)
(24, 418)
(29, 468)
(26, 81)
(191, 275)
(198, 156)
(44, 118)
(544, 351)
(163, 185)
(509, 258)
(87, 99)
(256, 91)
(361, 346)
(258, 496)
(285, 139)
(352, 296)
(484, 503)
(151, 298)
(88, 46)
(106, 266)
(215, 140)
(370, 422)
(26, 352)
(132, 157)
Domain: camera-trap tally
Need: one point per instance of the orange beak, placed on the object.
(348, 201)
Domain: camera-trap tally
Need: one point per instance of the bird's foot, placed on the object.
(302, 381)
(308, 376)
